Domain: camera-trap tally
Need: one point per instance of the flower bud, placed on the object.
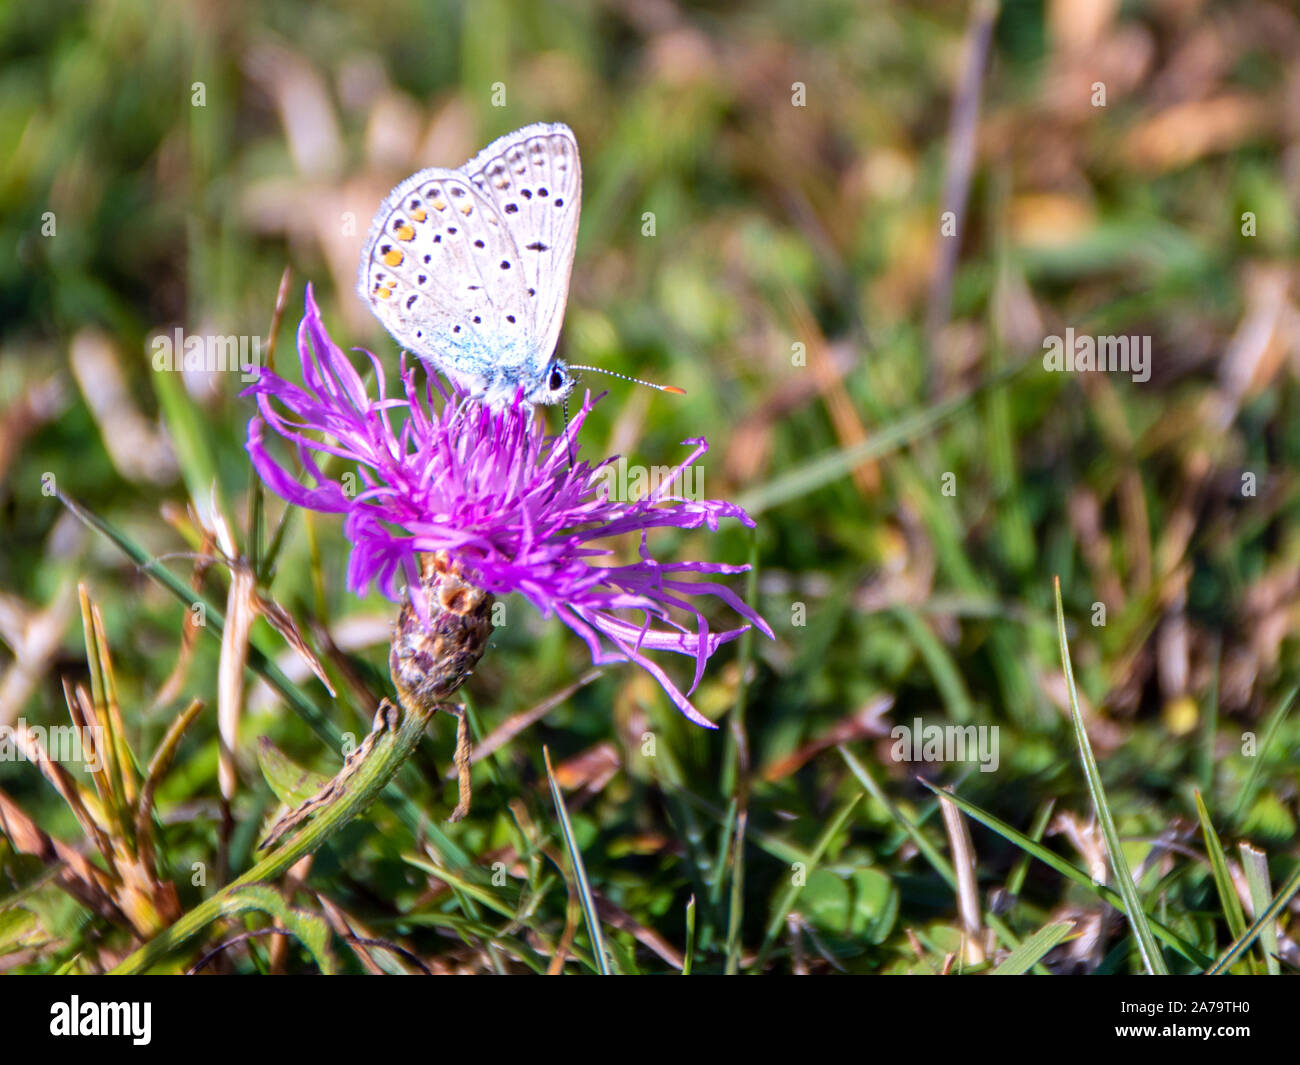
(431, 656)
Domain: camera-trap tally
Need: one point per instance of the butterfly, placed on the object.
(469, 268)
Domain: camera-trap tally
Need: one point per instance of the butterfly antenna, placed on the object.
(635, 380)
(568, 440)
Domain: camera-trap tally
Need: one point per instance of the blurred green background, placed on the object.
(872, 390)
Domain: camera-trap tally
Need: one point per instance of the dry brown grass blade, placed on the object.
(118, 751)
(97, 722)
(1086, 521)
(240, 613)
(848, 426)
(175, 682)
(517, 723)
(71, 793)
(572, 915)
(281, 301)
(34, 637)
(1185, 132)
(293, 883)
(345, 931)
(138, 451)
(750, 445)
(863, 723)
(363, 941)
(280, 620)
(84, 720)
(959, 168)
(338, 653)
(79, 877)
(587, 772)
(462, 761)
(158, 765)
(963, 864)
(40, 402)
(651, 940)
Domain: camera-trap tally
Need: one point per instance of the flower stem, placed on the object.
(396, 734)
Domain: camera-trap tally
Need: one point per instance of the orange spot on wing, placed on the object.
(420, 215)
(393, 258)
(405, 232)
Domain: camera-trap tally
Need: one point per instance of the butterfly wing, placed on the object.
(533, 178)
(470, 268)
(443, 275)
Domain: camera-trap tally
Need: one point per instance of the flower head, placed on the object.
(510, 506)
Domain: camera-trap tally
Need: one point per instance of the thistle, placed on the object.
(455, 503)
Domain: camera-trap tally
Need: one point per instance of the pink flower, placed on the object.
(506, 502)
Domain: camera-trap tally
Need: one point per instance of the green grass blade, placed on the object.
(461, 884)
(290, 782)
(1151, 956)
(689, 959)
(579, 873)
(730, 782)
(1055, 861)
(194, 451)
(928, 850)
(718, 875)
(215, 620)
(311, 930)
(1222, 877)
(1016, 881)
(1210, 724)
(260, 663)
(736, 909)
(1275, 720)
(1034, 949)
(939, 661)
(1266, 919)
(1255, 864)
(825, 469)
(791, 891)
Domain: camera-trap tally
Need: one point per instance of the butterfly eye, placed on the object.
(557, 379)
